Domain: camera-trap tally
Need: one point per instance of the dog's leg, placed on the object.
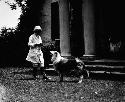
(81, 75)
(35, 67)
(61, 77)
(85, 73)
(81, 79)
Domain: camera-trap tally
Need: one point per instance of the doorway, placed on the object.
(55, 35)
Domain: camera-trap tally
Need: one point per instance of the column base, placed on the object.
(68, 57)
(89, 57)
(65, 54)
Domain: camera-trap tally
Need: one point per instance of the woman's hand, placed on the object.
(37, 45)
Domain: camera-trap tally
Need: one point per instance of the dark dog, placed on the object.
(63, 65)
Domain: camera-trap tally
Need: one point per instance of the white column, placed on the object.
(64, 28)
(89, 27)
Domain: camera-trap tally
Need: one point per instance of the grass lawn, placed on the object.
(17, 85)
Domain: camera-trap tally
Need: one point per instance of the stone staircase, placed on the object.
(100, 66)
(106, 66)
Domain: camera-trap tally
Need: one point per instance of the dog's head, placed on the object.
(56, 57)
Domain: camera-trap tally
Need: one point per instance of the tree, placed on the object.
(15, 48)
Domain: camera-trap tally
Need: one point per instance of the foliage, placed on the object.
(49, 45)
(6, 32)
(17, 3)
(31, 12)
(13, 42)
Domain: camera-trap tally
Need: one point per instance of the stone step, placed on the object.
(117, 73)
(105, 62)
(101, 66)
(105, 68)
(52, 71)
(98, 68)
(110, 62)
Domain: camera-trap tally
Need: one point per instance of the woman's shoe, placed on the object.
(46, 78)
(34, 77)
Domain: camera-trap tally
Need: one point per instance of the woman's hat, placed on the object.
(37, 28)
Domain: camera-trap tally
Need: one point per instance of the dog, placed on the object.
(63, 65)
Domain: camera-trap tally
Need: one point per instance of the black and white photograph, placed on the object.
(62, 51)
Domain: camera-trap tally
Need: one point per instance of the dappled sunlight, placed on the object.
(2, 93)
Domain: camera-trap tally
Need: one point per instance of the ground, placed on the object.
(17, 85)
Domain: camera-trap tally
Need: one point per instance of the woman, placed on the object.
(35, 54)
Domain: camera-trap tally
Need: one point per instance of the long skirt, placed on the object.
(35, 56)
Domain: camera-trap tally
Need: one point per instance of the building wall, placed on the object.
(46, 21)
(95, 26)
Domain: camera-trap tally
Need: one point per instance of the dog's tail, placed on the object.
(81, 64)
(78, 60)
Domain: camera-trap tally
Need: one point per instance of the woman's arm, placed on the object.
(34, 43)
(39, 43)
(31, 42)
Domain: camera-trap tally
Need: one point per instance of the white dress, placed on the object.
(35, 54)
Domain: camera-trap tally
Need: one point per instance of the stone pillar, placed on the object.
(46, 21)
(89, 27)
(64, 28)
